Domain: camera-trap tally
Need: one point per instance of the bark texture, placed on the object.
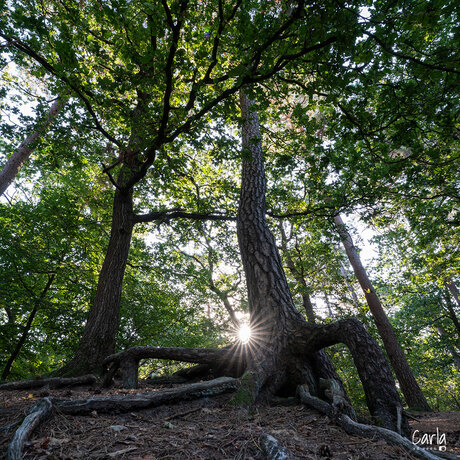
(284, 347)
(382, 398)
(23, 152)
(409, 386)
(37, 414)
(126, 403)
(454, 291)
(354, 297)
(271, 308)
(53, 382)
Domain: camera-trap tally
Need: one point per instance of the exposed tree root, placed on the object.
(272, 448)
(126, 363)
(37, 414)
(126, 403)
(53, 382)
(114, 404)
(188, 374)
(355, 428)
(374, 372)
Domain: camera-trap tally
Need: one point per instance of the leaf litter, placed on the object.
(206, 429)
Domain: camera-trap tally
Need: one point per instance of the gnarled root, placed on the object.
(355, 428)
(374, 371)
(222, 361)
(53, 382)
(37, 414)
(114, 404)
(126, 403)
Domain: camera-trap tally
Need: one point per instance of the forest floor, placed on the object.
(202, 429)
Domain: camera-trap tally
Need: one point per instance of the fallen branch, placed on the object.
(272, 448)
(53, 382)
(359, 429)
(37, 414)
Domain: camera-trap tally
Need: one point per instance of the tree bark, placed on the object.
(52, 382)
(409, 386)
(454, 291)
(270, 304)
(98, 340)
(382, 399)
(15, 162)
(126, 403)
(359, 429)
(37, 414)
(284, 346)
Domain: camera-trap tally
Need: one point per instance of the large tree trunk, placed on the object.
(15, 162)
(284, 347)
(409, 386)
(272, 312)
(98, 340)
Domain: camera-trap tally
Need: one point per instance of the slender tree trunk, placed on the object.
(98, 340)
(15, 162)
(298, 276)
(26, 330)
(343, 270)
(284, 347)
(328, 304)
(409, 386)
(223, 295)
(454, 291)
(450, 306)
(454, 353)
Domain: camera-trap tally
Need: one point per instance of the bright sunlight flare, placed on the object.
(244, 333)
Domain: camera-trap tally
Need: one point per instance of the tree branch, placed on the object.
(169, 214)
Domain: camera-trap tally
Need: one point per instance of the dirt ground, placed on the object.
(204, 429)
